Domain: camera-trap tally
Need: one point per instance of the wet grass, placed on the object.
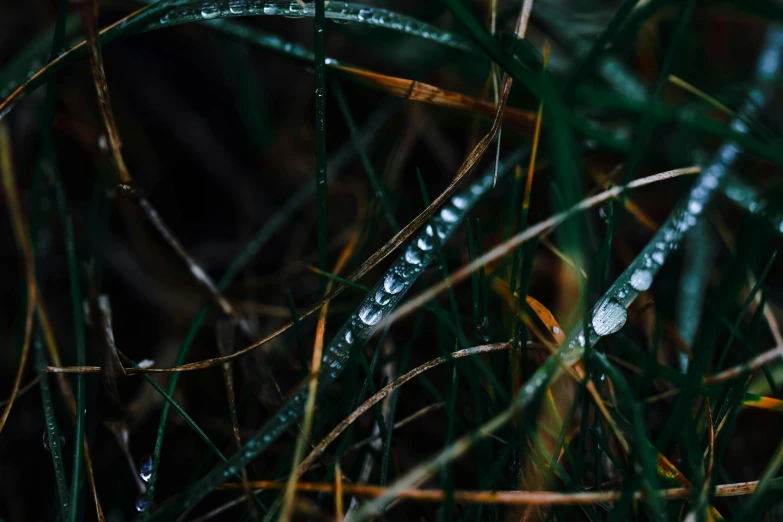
(589, 340)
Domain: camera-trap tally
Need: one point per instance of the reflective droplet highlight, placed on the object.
(370, 314)
(641, 279)
(141, 503)
(393, 284)
(413, 256)
(145, 468)
(609, 318)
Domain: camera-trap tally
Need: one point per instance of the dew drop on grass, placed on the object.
(658, 257)
(145, 468)
(448, 215)
(348, 336)
(413, 256)
(555, 330)
(609, 318)
(392, 283)
(424, 242)
(483, 329)
(370, 314)
(209, 11)
(459, 202)
(641, 279)
(382, 298)
(45, 440)
(141, 502)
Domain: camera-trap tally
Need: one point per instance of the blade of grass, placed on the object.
(78, 329)
(53, 432)
(320, 135)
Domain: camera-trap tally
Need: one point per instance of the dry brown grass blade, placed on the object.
(89, 14)
(632, 208)
(375, 399)
(225, 341)
(19, 223)
(746, 367)
(423, 92)
(338, 493)
(315, 368)
(542, 498)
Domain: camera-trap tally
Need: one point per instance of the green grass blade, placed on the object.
(320, 137)
(78, 329)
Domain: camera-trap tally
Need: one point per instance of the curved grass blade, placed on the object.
(362, 324)
(168, 13)
(22, 237)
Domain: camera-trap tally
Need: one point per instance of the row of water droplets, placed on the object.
(379, 302)
(340, 12)
(187, 11)
(609, 314)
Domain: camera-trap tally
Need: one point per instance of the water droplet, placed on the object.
(658, 257)
(364, 14)
(236, 7)
(103, 143)
(483, 329)
(145, 468)
(370, 314)
(641, 279)
(393, 284)
(448, 215)
(209, 11)
(694, 207)
(424, 243)
(348, 336)
(555, 330)
(413, 256)
(459, 202)
(141, 502)
(604, 213)
(270, 10)
(382, 298)
(45, 440)
(609, 318)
